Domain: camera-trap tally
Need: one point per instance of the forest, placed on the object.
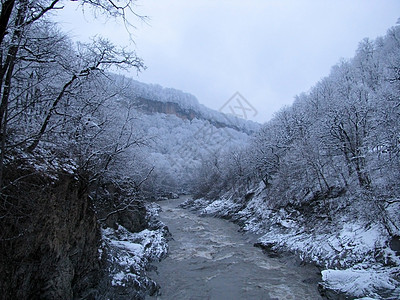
(86, 152)
(321, 178)
(63, 123)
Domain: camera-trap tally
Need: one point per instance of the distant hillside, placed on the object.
(179, 132)
(321, 179)
(151, 98)
(82, 152)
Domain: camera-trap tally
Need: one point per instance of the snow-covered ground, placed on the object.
(355, 257)
(129, 255)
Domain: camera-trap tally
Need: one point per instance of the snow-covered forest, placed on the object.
(322, 177)
(85, 153)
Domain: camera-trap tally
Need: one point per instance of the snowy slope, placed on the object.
(356, 258)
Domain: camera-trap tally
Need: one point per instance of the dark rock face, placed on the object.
(395, 244)
(133, 219)
(170, 108)
(268, 249)
(49, 239)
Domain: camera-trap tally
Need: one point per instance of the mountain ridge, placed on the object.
(153, 98)
(173, 108)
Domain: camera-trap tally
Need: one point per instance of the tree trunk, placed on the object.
(7, 70)
(6, 10)
(49, 114)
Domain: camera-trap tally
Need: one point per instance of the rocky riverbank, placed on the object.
(55, 242)
(357, 259)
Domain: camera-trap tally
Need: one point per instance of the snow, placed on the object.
(216, 207)
(132, 248)
(354, 254)
(340, 249)
(118, 279)
(360, 280)
(130, 253)
(187, 102)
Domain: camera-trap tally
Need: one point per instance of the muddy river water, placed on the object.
(210, 259)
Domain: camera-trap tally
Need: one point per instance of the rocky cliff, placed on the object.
(59, 241)
(171, 108)
(49, 238)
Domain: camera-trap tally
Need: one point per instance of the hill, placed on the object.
(179, 132)
(321, 179)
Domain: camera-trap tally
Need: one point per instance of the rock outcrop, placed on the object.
(52, 245)
(50, 237)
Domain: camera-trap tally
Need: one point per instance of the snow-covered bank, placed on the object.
(356, 257)
(128, 257)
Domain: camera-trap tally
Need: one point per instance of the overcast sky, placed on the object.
(268, 50)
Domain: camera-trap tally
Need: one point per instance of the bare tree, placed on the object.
(96, 57)
(17, 20)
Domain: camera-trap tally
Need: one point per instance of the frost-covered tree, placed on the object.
(39, 66)
(341, 138)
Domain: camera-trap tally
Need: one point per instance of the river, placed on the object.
(210, 259)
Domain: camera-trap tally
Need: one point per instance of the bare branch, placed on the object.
(117, 211)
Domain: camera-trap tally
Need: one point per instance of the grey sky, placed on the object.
(269, 50)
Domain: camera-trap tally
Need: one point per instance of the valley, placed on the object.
(96, 169)
(209, 258)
